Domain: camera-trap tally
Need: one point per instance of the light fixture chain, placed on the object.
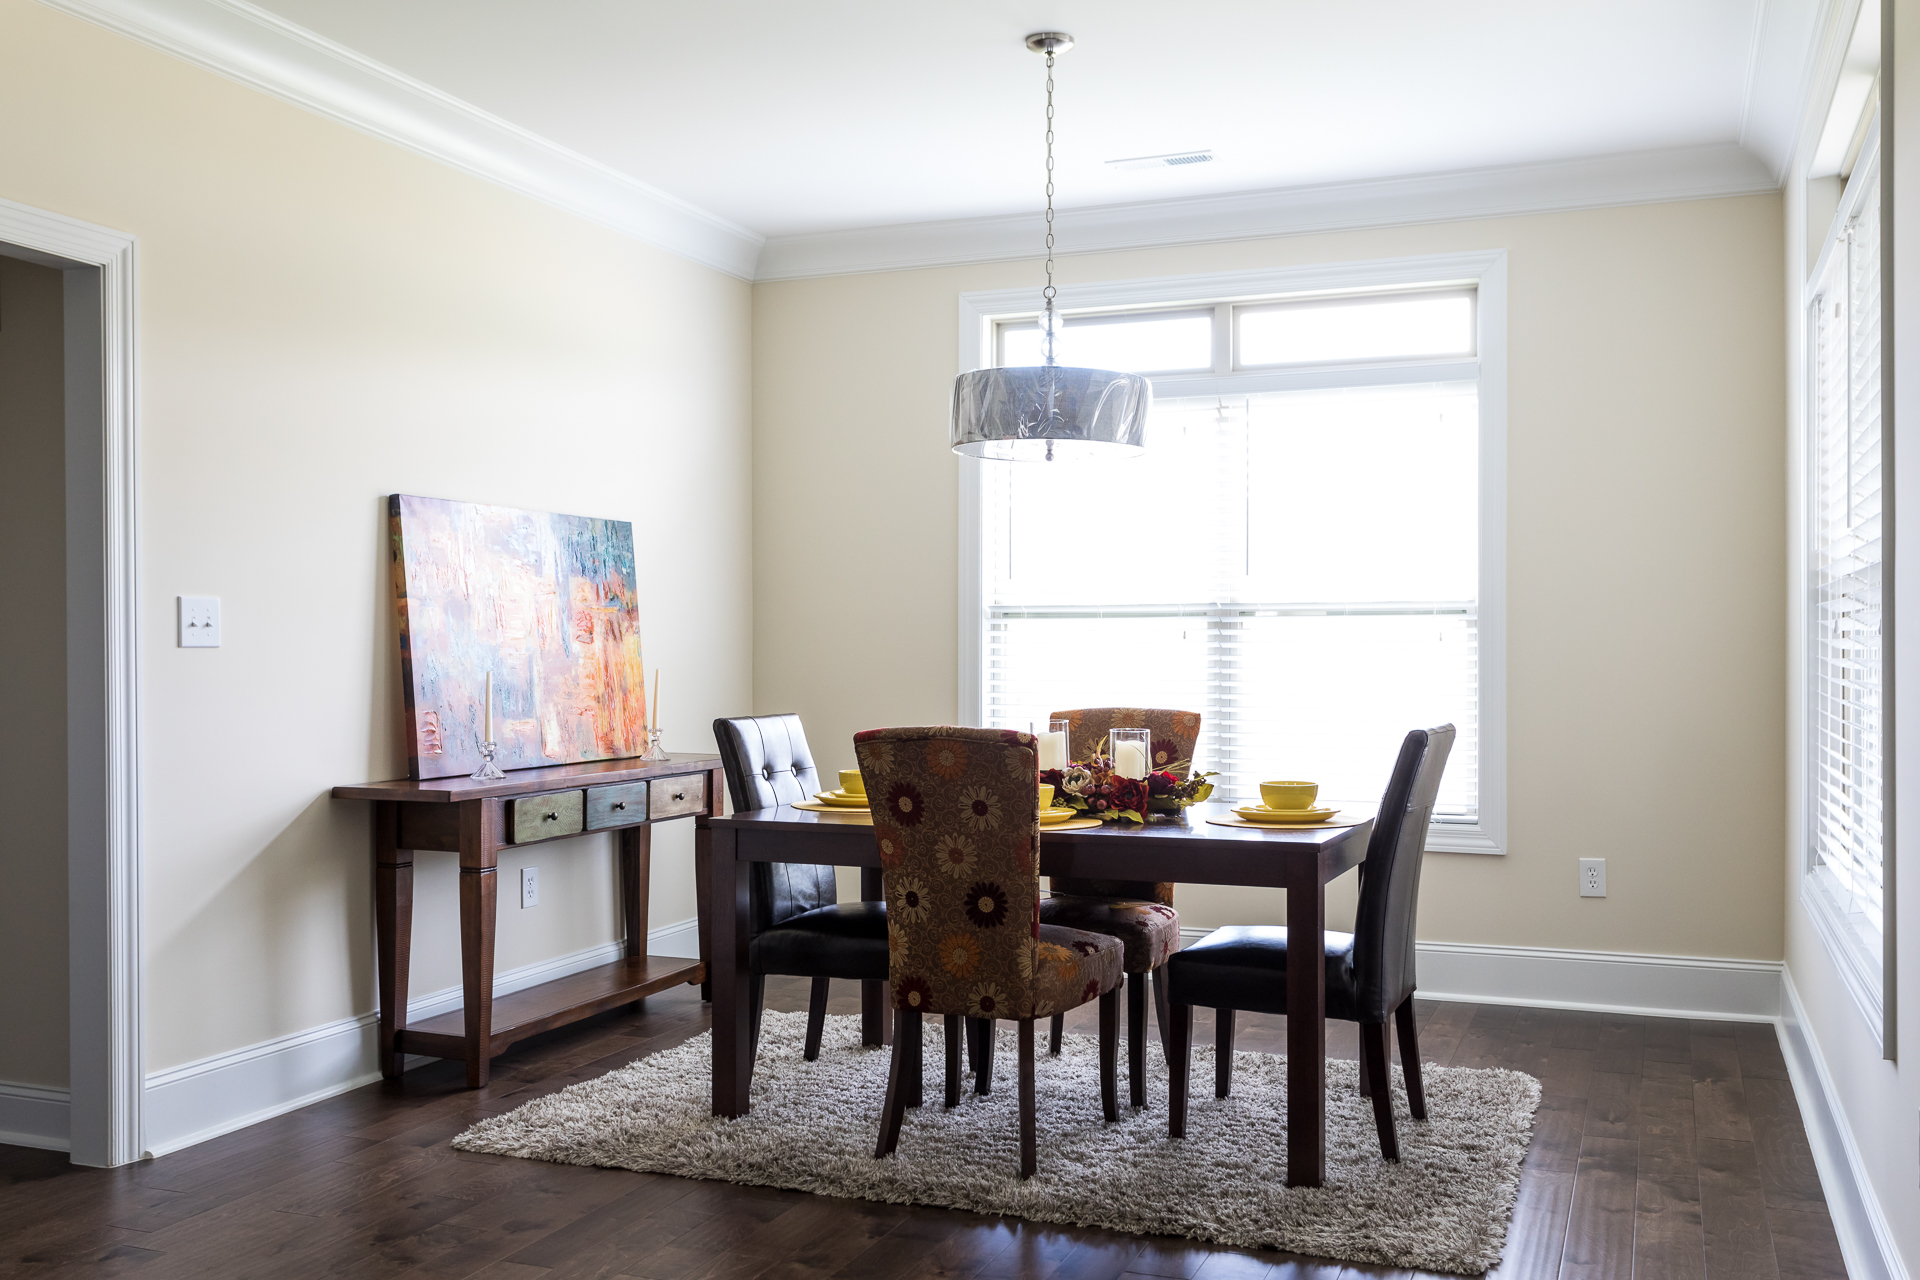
(1049, 292)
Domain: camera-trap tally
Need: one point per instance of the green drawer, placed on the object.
(558, 813)
(616, 806)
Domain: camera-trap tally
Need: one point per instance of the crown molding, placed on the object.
(265, 52)
(1686, 173)
(1781, 68)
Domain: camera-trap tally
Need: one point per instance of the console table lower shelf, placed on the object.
(532, 1010)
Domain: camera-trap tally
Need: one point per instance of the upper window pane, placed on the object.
(1400, 327)
(1161, 342)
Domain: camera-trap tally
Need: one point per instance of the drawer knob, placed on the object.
(552, 817)
(679, 795)
(620, 805)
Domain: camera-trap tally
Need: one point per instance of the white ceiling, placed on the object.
(790, 118)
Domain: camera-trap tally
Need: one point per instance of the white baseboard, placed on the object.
(33, 1115)
(196, 1101)
(1866, 1241)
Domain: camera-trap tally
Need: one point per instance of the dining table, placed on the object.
(1186, 848)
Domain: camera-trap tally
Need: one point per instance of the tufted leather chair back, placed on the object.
(768, 764)
(957, 822)
(1175, 735)
(1383, 960)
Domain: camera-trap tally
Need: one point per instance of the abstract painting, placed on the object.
(542, 603)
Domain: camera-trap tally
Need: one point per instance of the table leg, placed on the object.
(702, 909)
(393, 929)
(876, 1028)
(636, 872)
(732, 1037)
(1306, 1034)
(479, 896)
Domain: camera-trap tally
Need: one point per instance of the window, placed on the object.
(1309, 558)
(1845, 715)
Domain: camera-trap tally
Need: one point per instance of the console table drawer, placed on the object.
(559, 813)
(616, 806)
(671, 797)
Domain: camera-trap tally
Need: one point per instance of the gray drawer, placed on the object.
(559, 813)
(671, 797)
(616, 806)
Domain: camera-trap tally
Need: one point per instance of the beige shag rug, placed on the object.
(1444, 1207)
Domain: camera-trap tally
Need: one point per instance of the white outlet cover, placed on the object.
(199, 622)
(1593, 877)
(529, 887)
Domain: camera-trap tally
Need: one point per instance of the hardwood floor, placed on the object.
(1664, 1148)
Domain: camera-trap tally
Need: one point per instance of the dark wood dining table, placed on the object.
(1188, 850)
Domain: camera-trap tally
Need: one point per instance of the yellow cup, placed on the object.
(1046, 795)
(1289, 795)
(852, 783)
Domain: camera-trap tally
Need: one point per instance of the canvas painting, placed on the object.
(545, 604)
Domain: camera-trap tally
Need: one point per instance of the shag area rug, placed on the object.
(812, 1127)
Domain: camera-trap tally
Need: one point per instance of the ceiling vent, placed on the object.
(1172, 160)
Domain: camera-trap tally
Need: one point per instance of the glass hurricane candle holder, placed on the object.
(1132, 752)
(1056, 750)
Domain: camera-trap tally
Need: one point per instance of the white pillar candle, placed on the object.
(1053, 751)
(1130, 760)
(489, 731)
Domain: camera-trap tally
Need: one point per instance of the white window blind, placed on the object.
(1846, 791)
(1301, 567)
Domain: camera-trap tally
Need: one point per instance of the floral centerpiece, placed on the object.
(1097, 791)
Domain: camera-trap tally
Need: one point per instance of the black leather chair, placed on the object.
(1370, 975)
(797, 923)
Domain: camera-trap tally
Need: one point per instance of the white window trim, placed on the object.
(1487, 270)
(1863, 975)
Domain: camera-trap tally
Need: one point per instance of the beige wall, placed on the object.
(1646, 538)
(33, 674)
(1879, 1100)
(326, 319)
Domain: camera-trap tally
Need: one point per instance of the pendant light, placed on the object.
(1047, 411)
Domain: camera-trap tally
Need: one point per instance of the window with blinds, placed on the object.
(1845, 777)
(1301, 566)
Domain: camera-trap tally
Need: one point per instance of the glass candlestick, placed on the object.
(488, 770)
(653, 751)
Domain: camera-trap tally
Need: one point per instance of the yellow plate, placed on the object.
(1060, 813)
(840, 798)
(1260, 813)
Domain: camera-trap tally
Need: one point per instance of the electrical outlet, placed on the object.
(1593, 877)
(529, 887)
(199, 622)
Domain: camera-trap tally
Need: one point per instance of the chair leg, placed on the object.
(756, 1002)
(1054, 1032)
(894, 1110)
(983, 1061)
(1223, 1028)
(916, 1059)
(1160, 1009)
(1180, 1049)
(1137, 1039)
(952, 1027)
(1110, 1054)
(1410, 1059)
(1029, 1143)
(1373, 1049)
(1366, 1082)
(817, 1016)
(973, 1044)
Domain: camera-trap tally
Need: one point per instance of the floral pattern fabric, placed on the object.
(1175, 735)
(1148, 932)
(959, 841)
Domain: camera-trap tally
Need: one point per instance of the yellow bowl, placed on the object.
(852, 783)
(1289, 795)
(1046, 796)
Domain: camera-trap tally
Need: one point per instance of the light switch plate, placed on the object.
(199, 622)
(1593, 877)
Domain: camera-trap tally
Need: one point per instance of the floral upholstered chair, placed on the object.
(956, 818)
(1138, 912)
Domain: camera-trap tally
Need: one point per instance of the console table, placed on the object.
(478, 819)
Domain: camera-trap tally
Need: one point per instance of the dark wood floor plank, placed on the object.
(366, 1186)
(1600, 1221)
(1733, 1212)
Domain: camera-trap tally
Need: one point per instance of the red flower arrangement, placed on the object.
(1097, 792)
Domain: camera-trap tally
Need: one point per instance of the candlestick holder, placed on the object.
(653, 751)
(1132, 750)
(488, 770)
